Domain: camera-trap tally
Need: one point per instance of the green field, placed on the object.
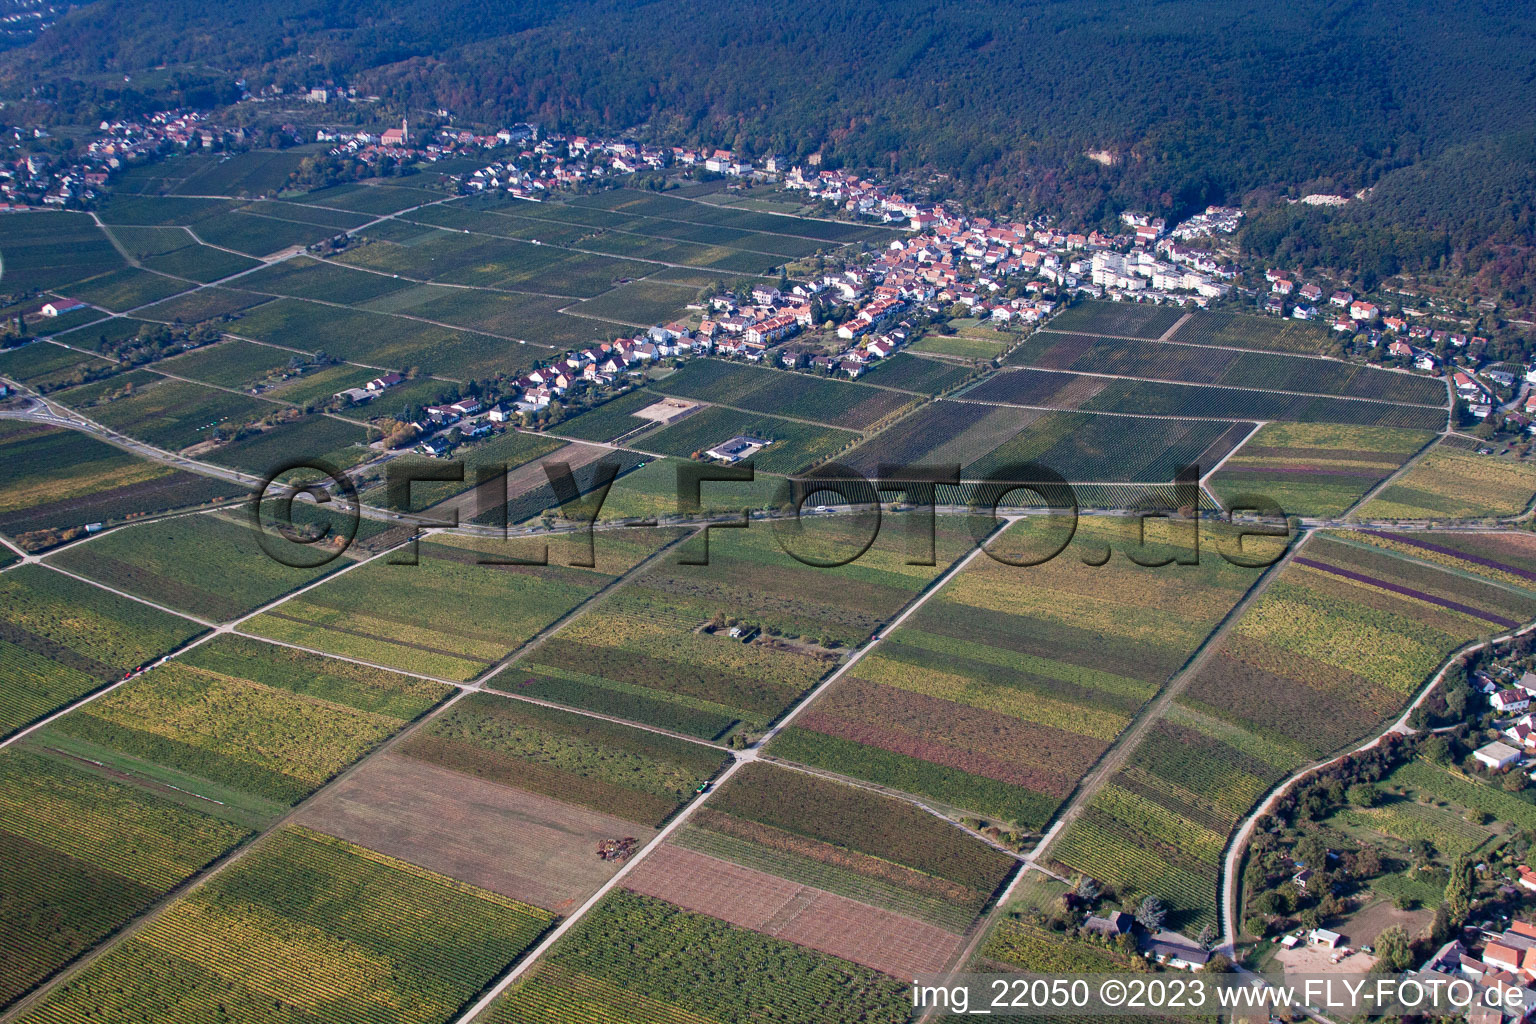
(1005, 687)
(658, 649)
(346, 934)
(800, 396)
(83, 854)
(61, 638)
(250, 718)
(1451, 484)
(46, 367)
(1315, 469)
(337, 442)
(794, 446)
(637, 960)
(175, 414)
(209, 565)
(54, 481)
(51, 250)
(453, 615)
(639, 776)
(1337, 644)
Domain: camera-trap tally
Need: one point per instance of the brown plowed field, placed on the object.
(530, 847)
(880, 939)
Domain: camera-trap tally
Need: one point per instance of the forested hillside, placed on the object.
(1194, 100)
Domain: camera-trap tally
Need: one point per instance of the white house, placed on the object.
(1496, 755)
(58, 307)
(1512, 699)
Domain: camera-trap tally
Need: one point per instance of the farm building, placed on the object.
(1497, 755)
(1326, 938)
(1117, 923)
(58, 307)
(738, 448)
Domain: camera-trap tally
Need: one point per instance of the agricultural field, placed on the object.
(1451, 484)
(1315, 469)
(1004, 688)
(504, 838)
(306, 278)
(176, 414)
(244, 722)
(54, 480)
(1508, 559)
(1091, 447)
(613, 419)
(642, 777)
(318, 385)
(82, 854)
(793, 446)
(197, 262)
(637, 960)
(1338, 642)
(61, 638)
(378, 339)
(1235, 403)
(451, 257)
(339, 442)
(1118, 319)
(1423, 778)
(202, 305)
(872, 851)
(639, 303)
(456, 613)
(530, 496)
(651, 492)
(941, 433)
(256, 172)
(372, 198)
(46, 367)
(230, 364)
(782, 393)
(100, 335)
(210, 565)
(1057, 390)
(1248, 331)
(915, 374)
(1160, 825)
(658, 650)
(257, 235)
(346, 934)
(509, 448)
(1022, 944)
(125, 289)
(983, 438)
(127, 207)
(1193, 364)
(50, 250)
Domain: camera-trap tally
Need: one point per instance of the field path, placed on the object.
(1219, 387)
(1237, 843)
(1112, 759)
(740, 758)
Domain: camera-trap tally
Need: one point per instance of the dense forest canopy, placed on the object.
(1195, 100)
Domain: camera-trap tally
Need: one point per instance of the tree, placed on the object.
(1364, 794)
(1086, 889)
(1151, 914)
(1367, 862)
(1218, 964)
(1393, 950)
(1207, 937)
